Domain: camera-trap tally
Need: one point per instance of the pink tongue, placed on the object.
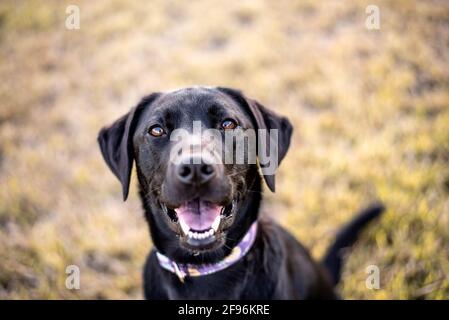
(198, 215)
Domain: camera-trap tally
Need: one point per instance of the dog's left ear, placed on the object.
(267, 120)
(116, 143)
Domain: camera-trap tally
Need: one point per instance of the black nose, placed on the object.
(195, 173)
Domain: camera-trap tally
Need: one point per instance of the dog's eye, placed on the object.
(229, 124)
(156, 131)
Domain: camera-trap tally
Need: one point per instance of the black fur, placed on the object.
(277, 266)
(345, 238)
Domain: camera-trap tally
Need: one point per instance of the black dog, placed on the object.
(209, 242)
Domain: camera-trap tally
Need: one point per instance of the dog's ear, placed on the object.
(116, 143)
(264, 118)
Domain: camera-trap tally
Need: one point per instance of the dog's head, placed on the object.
(198, 152)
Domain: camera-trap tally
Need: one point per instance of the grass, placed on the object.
(370, 110)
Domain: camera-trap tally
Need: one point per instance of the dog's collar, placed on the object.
(196, 270)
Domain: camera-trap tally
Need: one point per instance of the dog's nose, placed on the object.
(197, 173)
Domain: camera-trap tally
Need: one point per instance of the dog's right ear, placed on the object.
(116, 143)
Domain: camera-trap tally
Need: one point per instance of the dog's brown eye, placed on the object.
(156, 131)
(229, 124)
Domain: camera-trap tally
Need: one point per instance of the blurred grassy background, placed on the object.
(370, 109)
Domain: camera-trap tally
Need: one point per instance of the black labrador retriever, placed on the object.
(203, 215)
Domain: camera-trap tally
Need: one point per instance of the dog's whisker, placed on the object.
(238, 172)
(254, 191)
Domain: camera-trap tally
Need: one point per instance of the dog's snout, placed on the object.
(197, 172)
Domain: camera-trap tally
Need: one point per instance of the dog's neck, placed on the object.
(166, 243)
(197, 270)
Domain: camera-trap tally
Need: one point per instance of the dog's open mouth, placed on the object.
(200, 223)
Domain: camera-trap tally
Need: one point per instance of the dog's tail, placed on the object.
(332, 260)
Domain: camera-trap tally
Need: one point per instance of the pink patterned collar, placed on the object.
(196, 270)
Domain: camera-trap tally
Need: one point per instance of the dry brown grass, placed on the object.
(370, 109)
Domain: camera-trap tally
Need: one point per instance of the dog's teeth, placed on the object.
(200, 235)
(216, 223)
(185, 228)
